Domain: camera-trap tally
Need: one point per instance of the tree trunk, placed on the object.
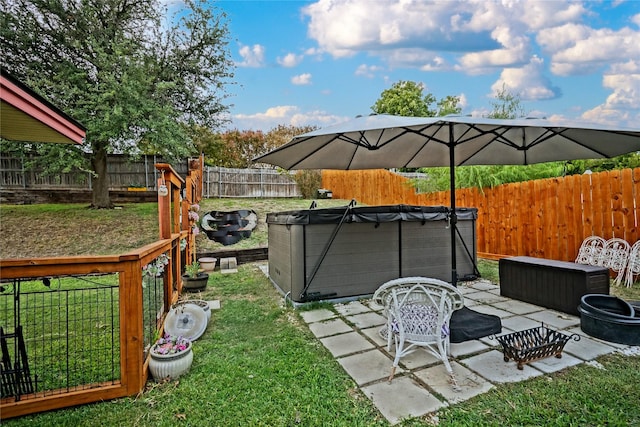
(100, 182)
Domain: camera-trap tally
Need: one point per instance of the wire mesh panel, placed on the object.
(153, 298)
(59, 334)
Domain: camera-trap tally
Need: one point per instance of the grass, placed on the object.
(259, 365)
(255, 365)
(47, 230)
(86, 306)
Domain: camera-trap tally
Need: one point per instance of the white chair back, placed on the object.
(633, 264)
(590, 252)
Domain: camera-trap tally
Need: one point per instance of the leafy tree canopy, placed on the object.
(506, 105)
(406, 98)
(237, 149)
(138, 81)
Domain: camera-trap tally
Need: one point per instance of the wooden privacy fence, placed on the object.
(124, 173)
(545, 218)
(256, 183)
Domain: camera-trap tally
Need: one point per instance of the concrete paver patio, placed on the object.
(421, 384)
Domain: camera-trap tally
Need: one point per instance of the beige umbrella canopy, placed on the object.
(385, 141)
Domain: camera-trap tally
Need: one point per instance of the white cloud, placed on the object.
(302, 79)
(528, 81)
(290, 60)
(515, 51)
(437, 63)
(622, 106)
(368, 71)
(416, 58)
(609, 116)
(626, 90)
(345, 27)
(463, 102)
(630, 66)
(252, 56)
(577, 49)
(483, 35)
(284, 115)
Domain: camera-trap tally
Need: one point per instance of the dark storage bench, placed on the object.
(558, 285)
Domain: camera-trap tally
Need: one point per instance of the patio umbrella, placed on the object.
(385, 141)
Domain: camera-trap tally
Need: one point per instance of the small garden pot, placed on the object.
(195, 284)
(208, 264)
(170, 366)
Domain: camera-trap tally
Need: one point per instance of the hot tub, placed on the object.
(341, 252)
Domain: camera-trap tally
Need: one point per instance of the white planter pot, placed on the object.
(162, 366)
(208, 264)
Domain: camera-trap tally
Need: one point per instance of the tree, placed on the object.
(506, 105)
(241, 147)
(405, 98)
(282, 134)
(135, 83)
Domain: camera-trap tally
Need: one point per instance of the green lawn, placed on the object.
(259, 365)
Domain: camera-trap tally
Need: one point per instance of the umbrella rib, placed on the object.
(428, 138)
(550, 133)
(498, 137)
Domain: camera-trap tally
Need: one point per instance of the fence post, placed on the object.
(24, 177)
(146, 171)
(261, 183)
(132, 331)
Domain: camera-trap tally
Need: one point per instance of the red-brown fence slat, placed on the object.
(599, 207)
(617, 208)
(587, 206)
(574, 229)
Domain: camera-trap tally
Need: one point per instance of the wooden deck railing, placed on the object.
(128, 267)
(546, 218)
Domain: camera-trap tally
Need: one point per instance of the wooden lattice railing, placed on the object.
(131, 336)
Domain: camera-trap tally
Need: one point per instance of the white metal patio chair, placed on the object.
(418, 310)
(615, 256)
(590, 251)
(633, 264)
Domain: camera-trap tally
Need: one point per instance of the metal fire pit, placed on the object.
(533, 344)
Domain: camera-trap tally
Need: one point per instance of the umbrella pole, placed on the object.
(453, 218)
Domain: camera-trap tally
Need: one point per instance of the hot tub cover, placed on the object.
(369, 214)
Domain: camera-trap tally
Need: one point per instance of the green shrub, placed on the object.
(308, 181)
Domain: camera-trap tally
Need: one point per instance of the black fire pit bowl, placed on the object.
(609, 318)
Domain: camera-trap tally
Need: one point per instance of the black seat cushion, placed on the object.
(466, 325)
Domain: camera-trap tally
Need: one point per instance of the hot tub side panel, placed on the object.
(426, 249)
(361, 258)
(285, 247)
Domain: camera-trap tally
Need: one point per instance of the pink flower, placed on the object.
(170, 344)
(193, 216)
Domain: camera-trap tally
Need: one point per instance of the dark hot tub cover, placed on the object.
(369, 214)
(338, 252)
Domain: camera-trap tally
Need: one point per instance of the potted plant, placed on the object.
(194, 280)
(171, 356)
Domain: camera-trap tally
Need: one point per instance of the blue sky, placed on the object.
(326, 61)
